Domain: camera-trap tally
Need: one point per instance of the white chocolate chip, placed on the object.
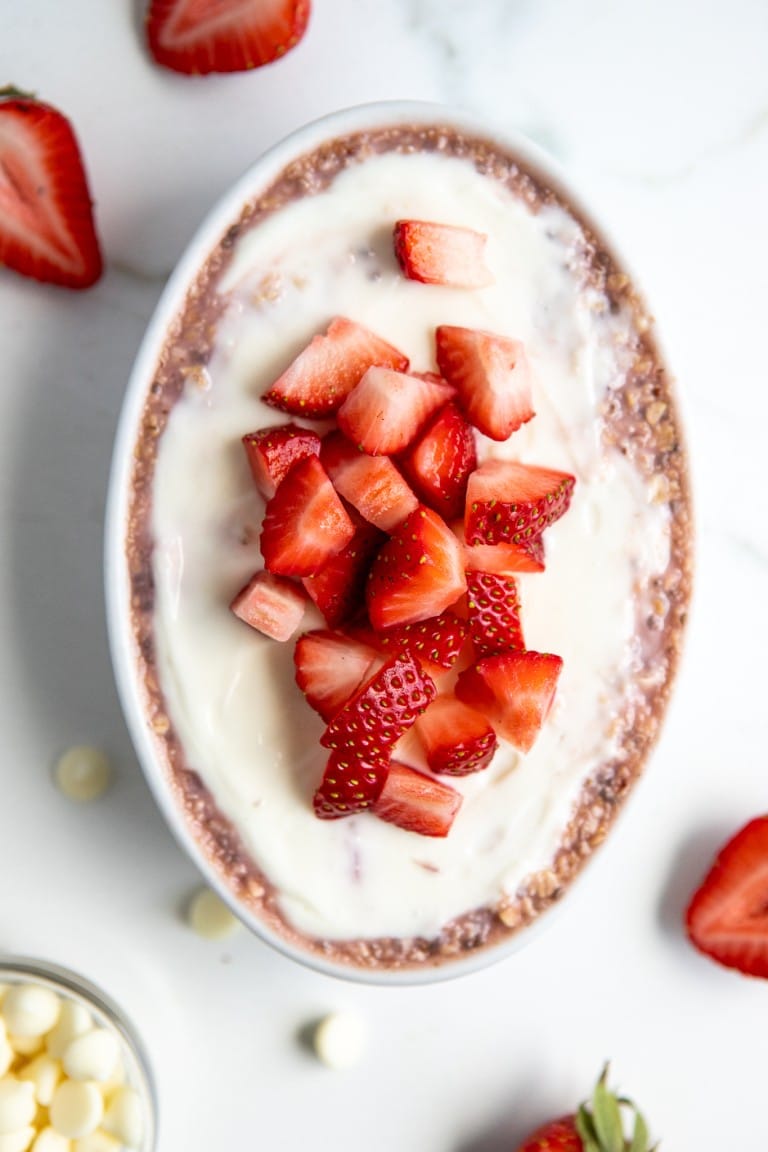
(339, 1040)
(124, 1117)
(74, 1020)
(26, 1045)
(17, 1141)
(30, 1010)
(92, 1056)
(83, 773)
(76, 1108)
(209, 915)
(98, 1141)
(7, 1055)
(44, 1073)
(49, 1140)
(17, 1104)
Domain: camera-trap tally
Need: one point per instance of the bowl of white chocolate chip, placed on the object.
(73, 1076)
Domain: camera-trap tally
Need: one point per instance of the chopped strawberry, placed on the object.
(201, 36)
(493, 604)
(514, 690)
(330, 666)
(727, 918)
(305, 522)
(456, 739)
(441, 254)
(417, 574)
(440, 460)
(416, 802)
(338, 588)
(505, 559)
(381, 710)
(384, 412)
(512, 503)
(318, 381)
(47, 230)
(272, 452)
(271, 604)
(349, 784)
(436, 642)
(491, 376)
(372, 484)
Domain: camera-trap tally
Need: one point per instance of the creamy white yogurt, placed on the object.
(231, 693)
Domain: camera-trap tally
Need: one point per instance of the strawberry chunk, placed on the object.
(372, 484)
(491, 376)
(384, 412)
(439, 462)
(381, 710)
(512, 503)
(270, 604)
(330, 667)
(318, 381)
(515, 690)
(441, 254)
(727, 918)
(456, 740)
(272, 452)
(338, 588)
(417, 574)
(505, 559)
(493, 605)
(305, 522)
(416, 802)
(350, 784)
(201, 36)
(436, 642)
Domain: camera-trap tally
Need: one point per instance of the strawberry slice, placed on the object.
(338, 588)
(515, 690)
(47, 230)
(727, 918)
(436, 642)
(372, 484)
(350, 784)
(493, 605)
(305, 522)
(416, 802)
(505, 559)
(201, 36)
(318, 381)
(272, 452)
(417, 574)
(271, 604)
(456, 740)
(512, 503)
(439, 462)
(441, 254)
(491, 376)
(330, 666)
(381, 710)
(385, 411)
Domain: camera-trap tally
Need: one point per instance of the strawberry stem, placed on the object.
(11, 92)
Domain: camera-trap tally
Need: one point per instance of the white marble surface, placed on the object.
(660, 113)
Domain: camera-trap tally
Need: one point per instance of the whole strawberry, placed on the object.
(600, 1125)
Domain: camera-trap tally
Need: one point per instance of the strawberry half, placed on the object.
(372, 484)
(381, 710)
(417, 574)
(416, 802)
(272, 452)
(349, 784)
(456, 739)
(320, 378)
(271, 604)
(441, 254)
(330, 667)
(515, 690)
(47, 230)
(512, 503)
(201, 36)
(436, 642)
(491, 376)
(439, 462)
(727, 918)
(386, 409)
(305, 522)
(493, 606)
(338, 587)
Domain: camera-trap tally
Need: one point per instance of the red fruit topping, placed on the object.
(490, 374)
(201, 36)
(456, 739)
(46, 222)
(512, 503)
(383, 413)
(271, 604)
(338, 588)
(330, 666)
(318, 381)
(514, 690)
(559, 1135)
(372, 484)
(272, 452)
(349, 784)
(381, 710)
(305, 522)
(505, 559)
(440, 460)
(441, 254)
(416, 802)
(493, 606)
(434, 642)
(727, 918)
(417, 574)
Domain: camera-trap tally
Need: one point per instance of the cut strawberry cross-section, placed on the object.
(441, 254)
(381, 710)
(515, 690)
(505, 559)
(270, 604)
(330, 666)
(372, 484)
(305, 522)
(385, 411)
(416, 802)
(318, 381)
(436, 642)
(491, 376)
(272, 452)
(439, 462)
(513, 503)
(350, 784)
(456, 739)
(338, 588)
(493, 605)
